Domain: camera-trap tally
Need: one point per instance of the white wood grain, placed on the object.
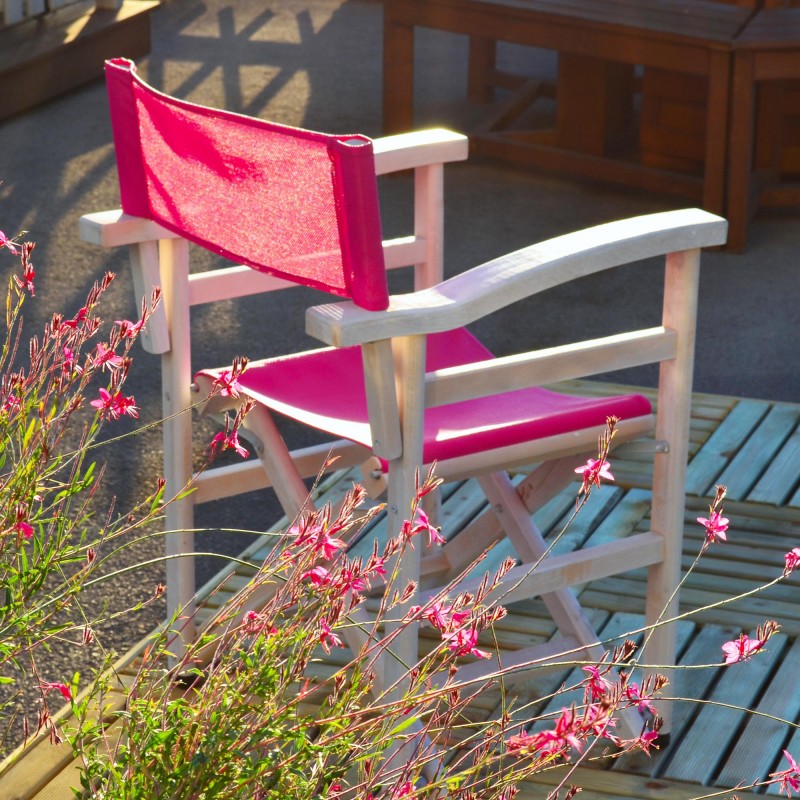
(505, 280)
(217, 483)
(681, 282)
(114, 228)
(379, 384)
(176, 365)
(146, 275)
(541, 367)
(418, 149)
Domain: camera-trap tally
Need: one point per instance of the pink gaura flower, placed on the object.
(28, 277)
(716, 525)
(741, 649)
(8, 244)
(12, 403)
(327, 637)
(593, 471)
(318, 576)
(520, 744)
(69, 365)
(463, 642)
(349, 580)
(598, 721)
(376, 565)
(25, 528)
(105, 357)
(789, 779)
(441, 616)
(47, 687)
(596, 685)
(564, 737)
(643, 742)
(78, 319)
(570, 733)
(254, 623)
(114, 406)
(634, 695)
(229, 441)
(792, 559)
(228, 383)
(423, 524)
(129, 329)
(328, 545)
(309, 531)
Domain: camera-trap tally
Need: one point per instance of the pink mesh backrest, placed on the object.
(294, 203)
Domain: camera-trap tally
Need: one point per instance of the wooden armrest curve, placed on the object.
(489, 287)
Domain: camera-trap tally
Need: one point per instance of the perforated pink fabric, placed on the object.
(294, 203)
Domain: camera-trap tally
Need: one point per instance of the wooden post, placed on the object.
(176, 376)
(429, 224)
(669, 473)
(409, 355)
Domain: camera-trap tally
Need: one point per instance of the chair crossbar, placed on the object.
(551, 447)
(550, 365)
(569, 569)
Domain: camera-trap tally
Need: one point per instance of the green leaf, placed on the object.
(406, 723)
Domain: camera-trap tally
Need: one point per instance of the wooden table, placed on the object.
(599, 43)
(763, 140)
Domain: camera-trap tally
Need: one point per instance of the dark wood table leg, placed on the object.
(740, 169)
(398, 72)
(594, 106)
(716, 132)
(482, 63)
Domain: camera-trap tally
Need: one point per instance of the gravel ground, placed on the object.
(316, 63)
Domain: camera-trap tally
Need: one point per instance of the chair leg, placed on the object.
(541, 485)
(562, 605)
(276, 459)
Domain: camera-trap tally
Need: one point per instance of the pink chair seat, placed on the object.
(311, 387)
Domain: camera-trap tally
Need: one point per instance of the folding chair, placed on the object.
(402, 381)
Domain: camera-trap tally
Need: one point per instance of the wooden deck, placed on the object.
(753, 446)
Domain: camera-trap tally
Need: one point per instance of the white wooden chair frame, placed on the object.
(399, 390)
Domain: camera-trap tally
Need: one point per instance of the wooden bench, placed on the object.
(764, 144)
(47, 55)
(599, 42)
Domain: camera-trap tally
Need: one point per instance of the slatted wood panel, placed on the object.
(14, 11)
(713, 744)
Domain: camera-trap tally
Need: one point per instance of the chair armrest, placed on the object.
(498, 283)
(418, 149)
(115, 228)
